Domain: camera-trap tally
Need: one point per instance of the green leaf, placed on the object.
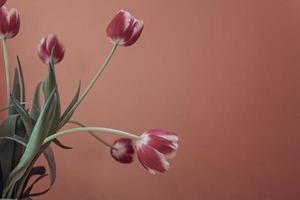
(22, 80)
(61, 145)
(7, 129)
(40, 131)
(16, 91)
(14, 138)
(21, 185)
(36, 103)
(20, 134)
(24, 116)
(48, 85)
(49, 155)
(38, 170)
(27, 193)
(67, 116)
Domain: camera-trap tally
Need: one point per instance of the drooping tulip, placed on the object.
(122, 150)
(124, 29)
(155, 148)
(9, 23)
(2, 2)
(51, 44)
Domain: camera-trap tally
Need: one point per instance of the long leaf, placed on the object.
(23, 98)
(16, 91)
(61, 145)
(24, 116)
(49, 155)
(40, 131)
(36, 103)
(21, 185)
(7, 129)
(21, 135)
(29, 189)
(48, 85)
(37, 170)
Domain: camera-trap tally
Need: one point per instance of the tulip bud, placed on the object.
(51, 45)
(2, 2)
(154, 148)
(124, 29)
(9, 23)
(122, 150)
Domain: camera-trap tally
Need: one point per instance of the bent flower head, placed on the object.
(9, 23)
(155, 148)
(47, 45)
(122, 150)
(124, 29)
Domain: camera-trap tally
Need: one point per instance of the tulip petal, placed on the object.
(13, 23)
(3, 21)
(2, 2)
(165, 134)
(152, 159)
(137, 31)
(162, 145)
(49, 45)
(123, 150)
(124, 29)
(9, 22)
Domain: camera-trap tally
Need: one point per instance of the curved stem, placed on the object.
(92, 134)
(7, 69)
(92, 83)
(95, 129)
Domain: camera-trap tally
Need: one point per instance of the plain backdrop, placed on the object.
(224, 75)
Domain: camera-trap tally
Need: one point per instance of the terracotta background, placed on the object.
(222, 74)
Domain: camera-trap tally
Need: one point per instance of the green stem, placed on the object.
(95, 129)
(92, 134)
(7, 69)
(92, 83)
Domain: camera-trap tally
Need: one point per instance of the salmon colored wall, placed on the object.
(224, 75)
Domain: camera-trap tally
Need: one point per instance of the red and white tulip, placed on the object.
(2, 2)
(122, 150)
(9, 23)
(124, 29)
(155, 148)
(47, 45)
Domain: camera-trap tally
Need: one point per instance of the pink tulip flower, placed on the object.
(124, 29)
(49, 44)
(155, 148)
(9, 23)
(122, 150)
(2, 2)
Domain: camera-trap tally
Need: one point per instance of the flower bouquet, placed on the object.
(30, 129)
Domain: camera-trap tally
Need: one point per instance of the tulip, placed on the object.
(155, 148)
(124, 29)
(122, 150)
(9, 23)
(51, 45)
(2, 2)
